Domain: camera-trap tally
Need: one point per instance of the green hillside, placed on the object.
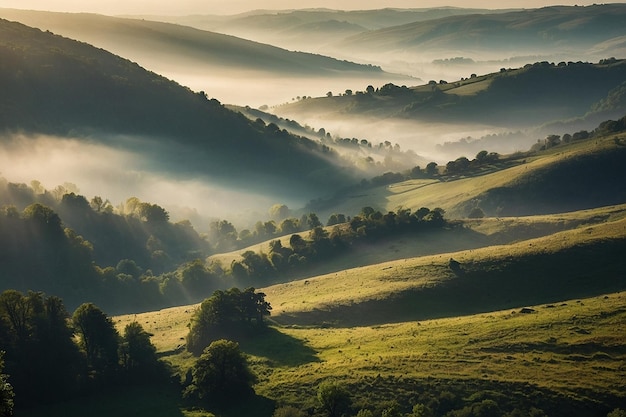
(539, 323)
(577, 175)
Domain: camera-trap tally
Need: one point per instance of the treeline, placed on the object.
(51, 357)
(48, 356)
(132, 258)
(367, 226)
(125, 258)
(366, 156)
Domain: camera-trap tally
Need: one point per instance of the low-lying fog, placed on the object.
(116, 175)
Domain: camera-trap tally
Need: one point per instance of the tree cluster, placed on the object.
(47, 363)
(321, 244)
(227, 314)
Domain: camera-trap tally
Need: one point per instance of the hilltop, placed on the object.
(227, 67)
(302, 29)
(152, 44)
(561, 31)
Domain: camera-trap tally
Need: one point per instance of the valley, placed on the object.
(392, 212)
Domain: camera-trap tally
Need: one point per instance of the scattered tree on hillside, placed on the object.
(221, 374)
(432, 169)
(98, 338)
(333, 398)
(137, 353)
(229, 313)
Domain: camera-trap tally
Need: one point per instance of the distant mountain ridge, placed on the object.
(555, 28)
(150, 42)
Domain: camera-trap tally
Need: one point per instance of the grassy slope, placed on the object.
(451, 332)
(455, 196)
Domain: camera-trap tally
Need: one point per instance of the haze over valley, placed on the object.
(236, 209)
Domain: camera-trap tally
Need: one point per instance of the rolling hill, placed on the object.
(56, 86)
(514, 98)
(229, 68)
(312, 29)
(526, 319)
(560, 30)
(157, 44)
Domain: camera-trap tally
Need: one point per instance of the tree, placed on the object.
(431, 169)
(221, 373)
(333, 398)
(98, 338)
(369, 89)
(137, 352)
(226, 313)
(348, 92)
(6, 391)
(153, 213)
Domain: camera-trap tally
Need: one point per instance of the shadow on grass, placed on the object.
(281, 349)
(131, 401)
(255, 406)
(585, 270)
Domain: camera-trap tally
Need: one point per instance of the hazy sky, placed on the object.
(182, 7)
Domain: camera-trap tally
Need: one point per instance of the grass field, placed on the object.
(455, 194)
(411, 328)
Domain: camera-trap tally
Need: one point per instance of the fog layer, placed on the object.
(117, 175)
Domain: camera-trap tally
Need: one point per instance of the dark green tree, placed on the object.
(432, 169)
(221, 374)
(138, 354)
(98, 338)
(226, 313)
(333, 398)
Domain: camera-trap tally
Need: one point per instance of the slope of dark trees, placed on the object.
(46, 363)
(523, 97)
(53, 85)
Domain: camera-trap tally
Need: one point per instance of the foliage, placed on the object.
(227, 313)
(6, 391)
(288, 411)
(367, 227)
(221, 374)
(333, 398)
(137, 353)
(41, 356)
(98, 338)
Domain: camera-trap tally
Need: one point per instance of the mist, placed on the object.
(118, 174)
